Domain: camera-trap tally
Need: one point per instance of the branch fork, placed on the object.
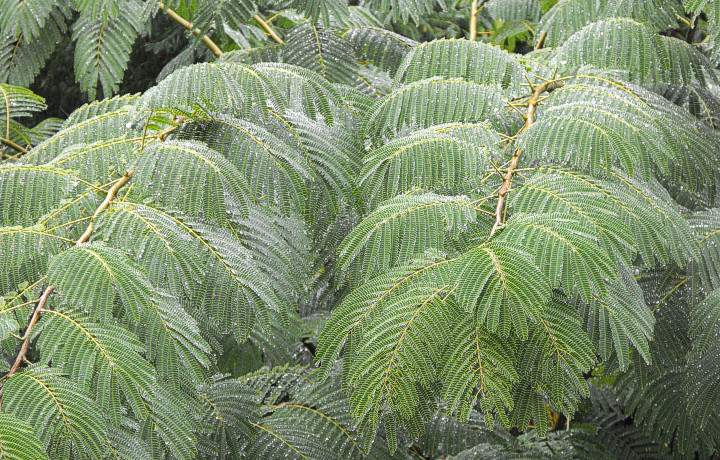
(532, 104)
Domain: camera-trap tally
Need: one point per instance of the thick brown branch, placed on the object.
(529, 119)
(268, 30)
(188, 25)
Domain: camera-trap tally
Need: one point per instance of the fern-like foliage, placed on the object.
(18, 440)
(467, 243)
(568, 16)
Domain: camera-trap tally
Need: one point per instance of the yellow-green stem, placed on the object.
(268, 30)
(473, 20)
(188, 25)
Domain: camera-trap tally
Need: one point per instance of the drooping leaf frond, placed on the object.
(103, 49)
(274, 171)
(389, 375)
(108, 125)
(93, 109)
(222, 189)
(17, 440)
(230, 410)
(401, 227)
(67, 419)
(645, 224)
(475, 368)
(26, 251)
(22, 58)
(404, 9)
(101, 161)
(425, 161)
(603, 127)
(171, 336)
(620, 320)
(222, 282)
(608, 435)
(305, 91)
(554, 359)
(18, 102)
(379, 47)
(436, 101)
(473, 61)
(280, 247)
(322, 51)
(333, 153)
(23, 17)
(514, 10)
(703, 394)
(361, 307)
(706, 226)
(501, 284)
(665, 391)
(606, 45)
(570, 255)
(327, 10)
(30, 191)
(318, 435)
(568, 16)
(196, 90)
(223, 13)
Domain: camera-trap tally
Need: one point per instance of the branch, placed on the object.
(268, 30)
(540, 41)
(473, 20)
(103, 206)
(13, 145)
(529, 119)
(188, 25)
(49, 290)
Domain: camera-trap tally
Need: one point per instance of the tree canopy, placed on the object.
(381, 229)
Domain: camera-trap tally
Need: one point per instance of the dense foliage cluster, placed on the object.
(317, 233)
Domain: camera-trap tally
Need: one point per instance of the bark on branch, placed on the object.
(529, 119)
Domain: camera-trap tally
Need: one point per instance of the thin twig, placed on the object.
(103, 206)
(188, 25)
(529, 119)
(675, 288)
(14, 146)
(268, 30)
(164, 133)
(541, 40)
(26, 336)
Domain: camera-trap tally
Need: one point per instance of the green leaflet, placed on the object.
(501, 284)
(63, 420)
(17, 440)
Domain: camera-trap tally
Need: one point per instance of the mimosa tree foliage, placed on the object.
(347, 244)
